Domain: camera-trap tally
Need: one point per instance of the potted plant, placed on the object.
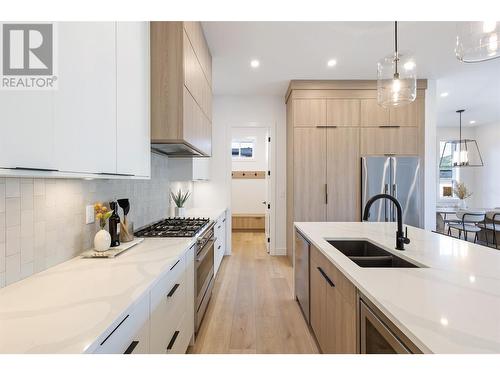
(461, 191)
(102, 239)
(179, 199)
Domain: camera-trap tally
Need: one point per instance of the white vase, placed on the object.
(102, 240)
(462, 204)
(180, 211)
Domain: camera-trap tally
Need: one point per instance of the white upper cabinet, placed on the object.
(27, 130)
(97, 119)
(85, 101)
(132, 80)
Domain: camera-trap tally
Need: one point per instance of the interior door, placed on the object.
(405, 188)
(267, 202)
(310, 193)
(343, 177)
(376, 179)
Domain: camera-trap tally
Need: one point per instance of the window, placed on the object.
(447, 174)
(243, 150)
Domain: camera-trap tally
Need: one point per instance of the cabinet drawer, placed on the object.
(119, 337)
(168, 305)
(180, 337)
(342, 283)
(391, 140)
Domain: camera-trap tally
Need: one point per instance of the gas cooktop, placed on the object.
(173, 227)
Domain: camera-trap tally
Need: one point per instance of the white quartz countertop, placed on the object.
(451, 306)
(67, 307)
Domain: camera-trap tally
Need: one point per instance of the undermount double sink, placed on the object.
(368, 255)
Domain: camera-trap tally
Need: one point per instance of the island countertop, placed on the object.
(451, 305)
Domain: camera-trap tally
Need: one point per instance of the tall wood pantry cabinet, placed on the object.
(330, 126)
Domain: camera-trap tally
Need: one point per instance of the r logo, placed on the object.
(27, 49)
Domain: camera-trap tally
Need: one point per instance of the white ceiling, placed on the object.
(300, 50)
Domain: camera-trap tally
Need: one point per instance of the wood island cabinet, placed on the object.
(333, 307)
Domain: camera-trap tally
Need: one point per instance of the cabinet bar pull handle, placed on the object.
(330, 282)
(172, 341)
(113, 331)
(131, 347)
(389, 126)
(326, 126)
(326, 193)
(224, 220)
(171, 268)
(172, 291)
(219, 247)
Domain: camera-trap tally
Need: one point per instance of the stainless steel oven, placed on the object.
(204, 272)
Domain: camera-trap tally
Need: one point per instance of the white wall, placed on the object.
(430, 166)
(246, 111)
(487, 187)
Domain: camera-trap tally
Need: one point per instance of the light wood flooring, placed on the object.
(252, 309)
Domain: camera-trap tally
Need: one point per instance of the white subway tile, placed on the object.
(12, 269)
(2, 257)
(13, 240)
(2, 279)
(39, 234)
(38, 187)
(39, 208)
(12, 188)
(12, 212)
(27, 250)
(2, 197)
(27, 223)
(26, 196)
(2, 226)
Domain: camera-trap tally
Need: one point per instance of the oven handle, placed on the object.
(209, 244)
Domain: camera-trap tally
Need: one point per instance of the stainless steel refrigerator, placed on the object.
(398, 176)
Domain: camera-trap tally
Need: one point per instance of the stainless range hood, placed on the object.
(176, 149)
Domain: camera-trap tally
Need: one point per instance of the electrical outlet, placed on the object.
(89, 214)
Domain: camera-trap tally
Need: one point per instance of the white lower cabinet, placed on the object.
(130, 334)
(220, 242)
(172, 308)
(162, 322)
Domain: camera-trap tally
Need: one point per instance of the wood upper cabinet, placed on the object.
(342, 112)
(333, 306)
(383, 141)
(309, 112)
(309, 173)
(181, 86)
(343, 174)
(373, 114)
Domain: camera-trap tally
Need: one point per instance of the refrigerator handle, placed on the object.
(395, 195)
(386, 202)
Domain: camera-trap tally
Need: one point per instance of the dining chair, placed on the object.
(493, 224)
(468, 223)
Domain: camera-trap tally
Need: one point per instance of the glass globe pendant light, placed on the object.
(463, 152)
(478, 41)
(396, 78)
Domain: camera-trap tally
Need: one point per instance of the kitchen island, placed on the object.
(450, 303)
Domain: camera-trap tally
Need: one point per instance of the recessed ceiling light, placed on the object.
(255, 63)
(444, 94)
(472, 122)
(331, 62)
(444, 321)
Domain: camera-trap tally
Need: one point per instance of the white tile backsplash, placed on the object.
(12, 212)
(12, 188)
(44, 223)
